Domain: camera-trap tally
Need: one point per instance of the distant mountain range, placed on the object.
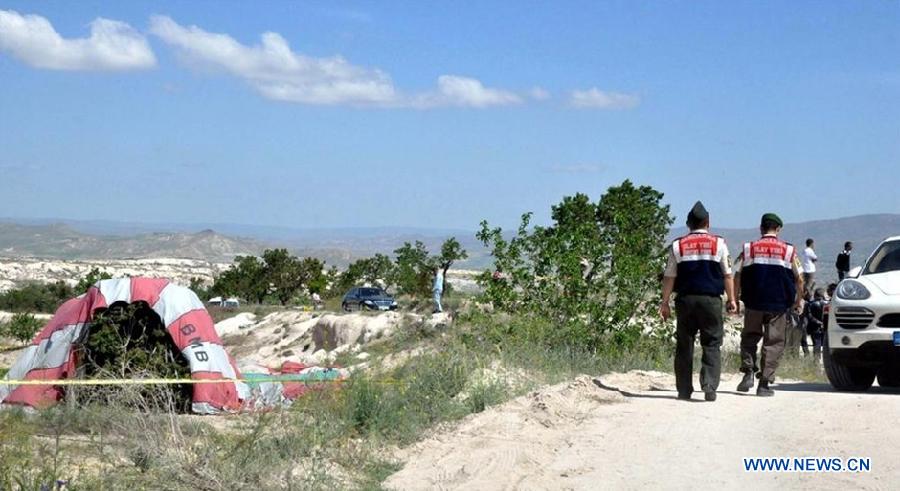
(60, 241)
(70, 239)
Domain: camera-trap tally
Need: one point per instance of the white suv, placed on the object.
(863, 339)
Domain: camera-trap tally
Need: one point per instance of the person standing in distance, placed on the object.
(809, 261)
(437, 290)
(698, 270)
(843, 261)
(768, 281)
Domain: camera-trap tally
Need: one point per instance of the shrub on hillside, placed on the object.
(90, 279)
(413, 272)
(277, 276)
(130, 341)
(22, 327)
(36, 297)
(374, 270)
(592, 272)
(47, 297)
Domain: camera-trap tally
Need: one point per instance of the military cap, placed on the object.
(771, 217)
(698, 213)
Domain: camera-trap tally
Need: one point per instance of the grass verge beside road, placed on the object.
(341, 437)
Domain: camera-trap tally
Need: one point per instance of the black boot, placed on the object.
(763, 389)
(746, 382)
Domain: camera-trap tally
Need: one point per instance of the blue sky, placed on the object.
(438, 115)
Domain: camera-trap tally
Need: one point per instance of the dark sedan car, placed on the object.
(368, 298)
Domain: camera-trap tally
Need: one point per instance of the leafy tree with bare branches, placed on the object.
(592, 271)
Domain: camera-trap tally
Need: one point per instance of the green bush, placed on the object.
(334, 438)
(369, 270)
(45, 298)
(198, 286)
(91, 279)
(413, 273)
(21, 327)
(485, 394)
(126, 341)
(277, 276)
(592, 272)
(36, 297)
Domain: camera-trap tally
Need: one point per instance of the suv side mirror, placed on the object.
(854, 273)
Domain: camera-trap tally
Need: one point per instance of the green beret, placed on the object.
(771, 217)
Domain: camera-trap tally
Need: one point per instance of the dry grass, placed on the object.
(329, 439)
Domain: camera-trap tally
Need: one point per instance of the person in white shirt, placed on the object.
(809, 261)
(438, 289)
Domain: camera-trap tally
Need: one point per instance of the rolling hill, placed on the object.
(60, 241)
(340, 246)
(76, 240)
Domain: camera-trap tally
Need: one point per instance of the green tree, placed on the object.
(91, 279)
(451, 251)
(370, 270)
(36, 297)
(245, 279)
(413, 266)
(312, 275)
(635, 226)
(22, 327)
(513, 270)
(591, 271)
(378, 268)
(277, 273)
(284, 274)
(332, 282)
(198, 285)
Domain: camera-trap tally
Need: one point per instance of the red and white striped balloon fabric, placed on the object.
(51, 354)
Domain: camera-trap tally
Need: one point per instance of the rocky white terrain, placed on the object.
(16, 271)
(314, 338)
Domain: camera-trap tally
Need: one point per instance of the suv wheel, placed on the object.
(889, 376)
(843, 377)
(345, 307)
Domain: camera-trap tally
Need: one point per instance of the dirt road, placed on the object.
(588, 435)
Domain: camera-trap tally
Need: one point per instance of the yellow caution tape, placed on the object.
(159, 381)
(177, 381)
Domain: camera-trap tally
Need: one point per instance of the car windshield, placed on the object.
(370, 292)
(886, 258)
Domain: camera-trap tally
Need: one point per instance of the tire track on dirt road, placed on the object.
(627, 431)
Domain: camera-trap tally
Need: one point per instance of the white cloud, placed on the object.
(598, 99)
(279, 73)
(454, 90)
(112, 45)
(276, 71)
(539, 94)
